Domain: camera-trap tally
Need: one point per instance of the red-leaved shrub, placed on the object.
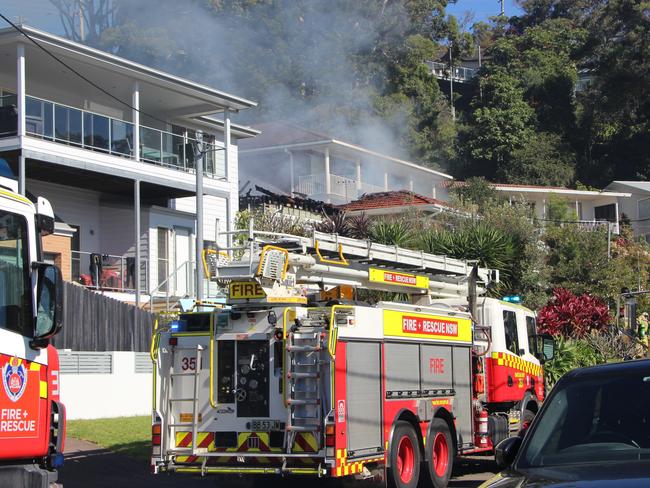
(573, 316)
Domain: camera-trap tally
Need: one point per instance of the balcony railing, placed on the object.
(443, 72)
(342, 186)
(89, 130)
(107, 272)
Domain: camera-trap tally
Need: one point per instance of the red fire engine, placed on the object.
(296, 375)
(32, 419)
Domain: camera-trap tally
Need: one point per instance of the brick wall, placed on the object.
(59, 246)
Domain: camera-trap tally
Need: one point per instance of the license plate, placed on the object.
(265, 425)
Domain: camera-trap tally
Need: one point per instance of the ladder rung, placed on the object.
(184, 424)
(303, 401)
(181, 399)
(298, 375)
(301, 428)
(182, 374)
(304, 348)
(305, 335)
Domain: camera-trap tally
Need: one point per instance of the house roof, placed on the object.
(559, 190)
(643, 186)
(75, 53)
(281, 135)
(390, 199)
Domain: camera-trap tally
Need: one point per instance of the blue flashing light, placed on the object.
(512, 299)
(175, 325)
(57, 460)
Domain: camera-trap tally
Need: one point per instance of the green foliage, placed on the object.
(570, 354)
(476, 193)
(558, 211)
(393, 232)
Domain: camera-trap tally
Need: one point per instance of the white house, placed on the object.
(637, 207)
(118, 156)
(292, 160)
(592, 207)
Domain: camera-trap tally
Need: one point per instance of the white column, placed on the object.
(577, 210)
(543, 208)
(226, 142)
(291, 172)
(135, 117)
(328, 186)
(20, 130)
(618, 218)
(385, 181)
(434, 191)
(358, 164)
(410, 185)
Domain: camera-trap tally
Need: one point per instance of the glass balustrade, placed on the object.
(68, 125)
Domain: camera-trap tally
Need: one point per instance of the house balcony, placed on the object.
(315, 186)
(107, 272)
(51, 121)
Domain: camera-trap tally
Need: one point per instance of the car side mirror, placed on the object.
(545, 345)
(49, 304)
(506, 451)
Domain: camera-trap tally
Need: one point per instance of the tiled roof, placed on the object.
(388, 199)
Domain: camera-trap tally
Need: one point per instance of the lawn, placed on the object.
(130, 436)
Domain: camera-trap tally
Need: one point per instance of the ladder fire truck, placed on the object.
(32, 418)
(297, 375)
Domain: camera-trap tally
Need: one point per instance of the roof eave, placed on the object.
(190, 88)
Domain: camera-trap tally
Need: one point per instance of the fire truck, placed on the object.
(297, 375)
(32, 418)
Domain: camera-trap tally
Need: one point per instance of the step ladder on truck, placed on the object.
(296, 375)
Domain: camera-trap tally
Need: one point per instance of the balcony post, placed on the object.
(617, 221)
(136, 209)
(411, 184)
(20, 129)
(226, 142)
(385, 180)
(135, 102)
(291, 172)
(328, 185)
(358, 165)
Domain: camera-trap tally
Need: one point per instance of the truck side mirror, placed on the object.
(506, 451)
(545, 345)
(49, 305)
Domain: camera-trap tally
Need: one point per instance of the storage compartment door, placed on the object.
(252, 393)
(363, 398)
(463, 399)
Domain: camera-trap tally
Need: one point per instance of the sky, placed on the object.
(482, 9)
(41, 13)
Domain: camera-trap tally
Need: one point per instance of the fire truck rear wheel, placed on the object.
(404, 457)
(439, 453)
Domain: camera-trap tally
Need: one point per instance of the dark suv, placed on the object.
(593, 430)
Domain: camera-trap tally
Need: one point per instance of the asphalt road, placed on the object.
(88, 465)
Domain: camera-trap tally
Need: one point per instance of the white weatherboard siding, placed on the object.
(118, 229)
(75, 207)
(213, 208)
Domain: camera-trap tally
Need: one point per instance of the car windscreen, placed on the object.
(593, 419)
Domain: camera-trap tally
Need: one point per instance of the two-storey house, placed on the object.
(296, 161)
(114, 145)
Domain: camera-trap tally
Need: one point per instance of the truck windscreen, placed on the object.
(15, 286)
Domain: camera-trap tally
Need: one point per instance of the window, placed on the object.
(15, 285)
(644, 208)
(606, 212)
(531, 329)
(163, 257)
(510, 328)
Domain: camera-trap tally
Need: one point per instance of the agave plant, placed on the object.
(334, 224)
(395, 232)
(360, 226)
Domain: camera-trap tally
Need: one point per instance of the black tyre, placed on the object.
(439, 453)
(405, 457)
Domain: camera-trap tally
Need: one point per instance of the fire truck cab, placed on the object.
(32, 419)
(296, 376)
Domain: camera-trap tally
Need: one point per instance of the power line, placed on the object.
(80, 75)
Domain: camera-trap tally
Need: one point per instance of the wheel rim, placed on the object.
(405, 459)
(440, 454)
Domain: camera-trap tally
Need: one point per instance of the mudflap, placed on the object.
(28, 476)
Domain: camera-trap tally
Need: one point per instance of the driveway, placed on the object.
(88, 465)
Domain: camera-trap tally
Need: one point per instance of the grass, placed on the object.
(130, 436)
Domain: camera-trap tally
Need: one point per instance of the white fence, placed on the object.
(105, 384)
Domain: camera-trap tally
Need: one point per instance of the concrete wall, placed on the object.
(122, 392)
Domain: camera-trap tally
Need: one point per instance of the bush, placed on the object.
(572, 316)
